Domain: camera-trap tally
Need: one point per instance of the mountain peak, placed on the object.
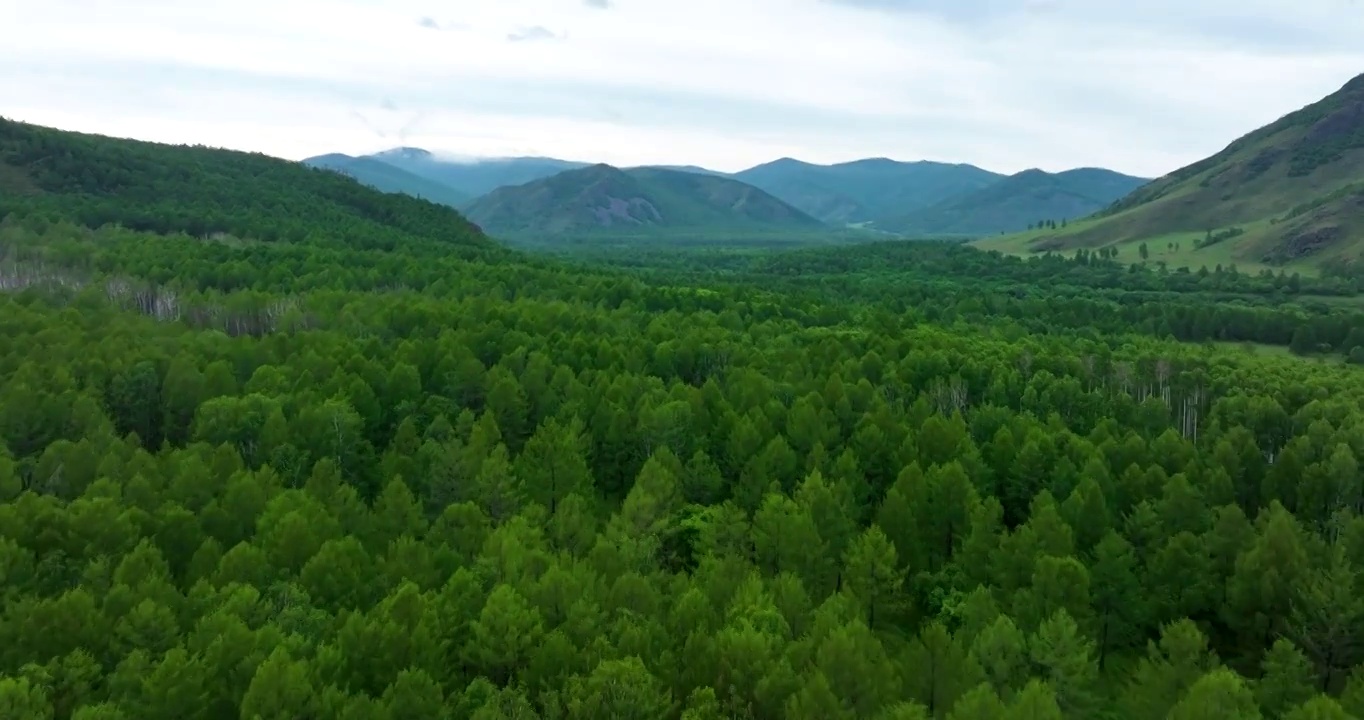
(595, 174)
(871, 162)
(784, 163)
(328, 159)
(603, 198)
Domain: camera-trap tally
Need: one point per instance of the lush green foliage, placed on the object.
(324, 480)
(1087, 293)
(206, 192)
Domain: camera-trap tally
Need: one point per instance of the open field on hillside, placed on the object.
(1176, 250)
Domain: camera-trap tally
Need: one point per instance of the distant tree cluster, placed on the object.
(1212, 238)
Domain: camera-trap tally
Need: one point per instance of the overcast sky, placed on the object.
(1141, 86)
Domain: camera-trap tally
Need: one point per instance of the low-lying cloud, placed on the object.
(534, 32)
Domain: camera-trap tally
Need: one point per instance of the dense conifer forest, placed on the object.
(275, 446)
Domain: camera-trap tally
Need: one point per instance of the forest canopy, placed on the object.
(385, 469)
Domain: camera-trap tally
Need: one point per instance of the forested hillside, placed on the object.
(339, 478)
(603, 200)
(1286, 193)
(207, 192)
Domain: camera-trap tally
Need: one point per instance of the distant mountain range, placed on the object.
(906, 198)
(1019, 201)
(475, 178)
(1291, 192)
(604, 199)
(389, 178)
(865, 190)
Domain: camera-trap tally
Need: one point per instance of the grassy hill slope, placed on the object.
(604, 199)
(96, 180)
(1284, 194)
(389, 178)
(865, 190)
(1018, 201)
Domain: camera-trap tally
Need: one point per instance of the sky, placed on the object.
(1142, 87)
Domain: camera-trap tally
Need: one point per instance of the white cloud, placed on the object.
(724, 83)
